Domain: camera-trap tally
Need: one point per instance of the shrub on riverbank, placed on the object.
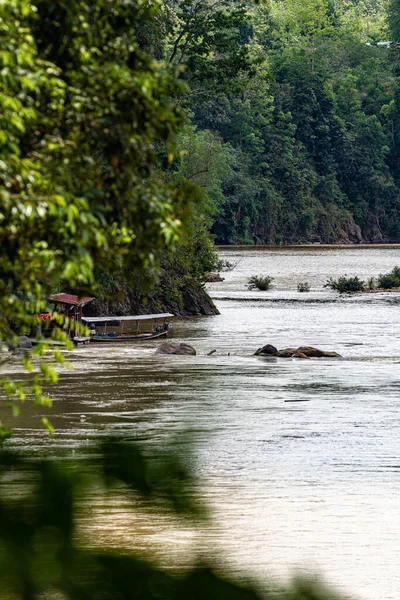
(259, 282)
(346, 284)
(389, 280)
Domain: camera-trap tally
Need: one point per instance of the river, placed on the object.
(311, 486)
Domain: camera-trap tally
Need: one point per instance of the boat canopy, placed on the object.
(70, 299)
(127, 318)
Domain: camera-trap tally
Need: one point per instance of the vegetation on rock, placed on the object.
(385, 281)
(303, 286)
(260, 282)
(389, 280)
(345, 284)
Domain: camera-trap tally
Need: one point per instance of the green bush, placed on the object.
(371, 283)
(346, 284)
(389, 280)
(225, 265)
(260, 282)
(303, 286)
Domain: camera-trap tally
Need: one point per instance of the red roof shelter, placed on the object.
(70, 299)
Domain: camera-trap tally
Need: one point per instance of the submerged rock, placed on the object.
(301, 352)
(311, 352)
(267, 350)
(180, 349)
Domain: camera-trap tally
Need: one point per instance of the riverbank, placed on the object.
(380, 290)
(306, 246)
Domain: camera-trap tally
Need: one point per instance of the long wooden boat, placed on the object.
(131, 328)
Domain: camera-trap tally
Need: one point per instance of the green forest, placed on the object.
(290, 129)
(290, 126)
(294, 117)
(193, 123)
(271, 123)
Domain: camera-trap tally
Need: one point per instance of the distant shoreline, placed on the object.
(304, 246)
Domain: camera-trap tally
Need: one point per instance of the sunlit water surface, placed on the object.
(293, 486)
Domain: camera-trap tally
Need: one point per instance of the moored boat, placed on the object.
(131, 328)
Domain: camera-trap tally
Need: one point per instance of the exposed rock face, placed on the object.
(24, 343)
(351, 232)
(180, 349)
(214, 277)
(198, 303)
(373, 230)
(193, 301)
(267, 350)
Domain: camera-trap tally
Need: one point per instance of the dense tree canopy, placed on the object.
(309, 121)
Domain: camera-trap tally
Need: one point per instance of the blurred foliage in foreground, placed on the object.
(39, 510)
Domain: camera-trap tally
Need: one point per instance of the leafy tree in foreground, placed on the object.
(81, 106)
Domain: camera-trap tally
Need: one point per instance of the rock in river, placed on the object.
(299, 354)
(311, 352)
(286, 352)
(24, 342)
(267, 350)
(181, 349)
(214, 277)
(306, 352)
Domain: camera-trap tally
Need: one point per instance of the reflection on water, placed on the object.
(291, 484)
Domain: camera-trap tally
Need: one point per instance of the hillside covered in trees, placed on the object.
(272, 122)
(293, 128)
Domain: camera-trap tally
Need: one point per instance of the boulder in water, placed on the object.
(267, 350)
(24, 343)
(180, 349)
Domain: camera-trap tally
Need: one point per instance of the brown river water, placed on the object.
(293, 487)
